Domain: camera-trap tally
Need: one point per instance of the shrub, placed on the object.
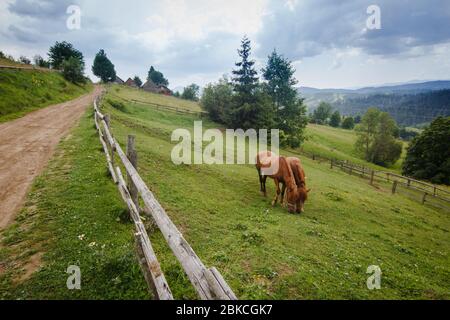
(73, 70)
(428, 155)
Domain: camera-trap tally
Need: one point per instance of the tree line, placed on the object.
(324, 114)
(245, 102)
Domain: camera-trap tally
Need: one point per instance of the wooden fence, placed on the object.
(28, 68)
(208, 282)
(158, 106)
(423, 192)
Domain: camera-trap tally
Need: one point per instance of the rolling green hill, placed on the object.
(23, 91)
(338, 144)
(262, 252)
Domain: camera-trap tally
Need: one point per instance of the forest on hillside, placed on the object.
(406, 109)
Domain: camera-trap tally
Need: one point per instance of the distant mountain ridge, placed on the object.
(409, 103)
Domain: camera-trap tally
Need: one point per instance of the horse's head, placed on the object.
(302, 196)
(292, 199)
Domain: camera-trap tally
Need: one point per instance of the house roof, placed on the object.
(130, 82)
(118, 80)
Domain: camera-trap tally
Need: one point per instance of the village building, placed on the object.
(118, 81)
(150, 86)
(131, 83)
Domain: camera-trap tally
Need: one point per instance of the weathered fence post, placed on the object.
(331, 164)
(132, 156)
(409, 183)
(144, 267)
(434, 191)
(314, 157)
(371, 177)
(107, 119)
(423, 198)
(108, 124)
(351, 169)
(394, 187)
(387, 175)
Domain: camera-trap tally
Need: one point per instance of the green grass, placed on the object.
(141, 95)
(23, 91)
(8, 62)
(339, 144)
(262, 252)
(73, 197)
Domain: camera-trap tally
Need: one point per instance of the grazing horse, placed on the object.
(300, 181)
(284, 175)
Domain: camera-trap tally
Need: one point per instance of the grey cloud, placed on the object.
(43, 9)
(316, 26)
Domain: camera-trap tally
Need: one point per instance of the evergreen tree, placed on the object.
(138, 81)
(103, 67)
(252, 106)
(245, 78)
(290, 112)
(157, 77)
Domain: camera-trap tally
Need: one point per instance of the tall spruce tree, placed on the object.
(251, 107)
(245, 78)
(290, 112)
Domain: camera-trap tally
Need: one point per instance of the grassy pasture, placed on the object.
(23, 91)
(262, 252)
(141, 95)
(339, 143)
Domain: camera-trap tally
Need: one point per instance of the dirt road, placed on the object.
(26, 145)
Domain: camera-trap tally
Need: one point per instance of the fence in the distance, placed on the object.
(164, 107)
(208, 282)
(423, 192)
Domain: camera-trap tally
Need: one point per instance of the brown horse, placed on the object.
(283, 174)
(300, 181)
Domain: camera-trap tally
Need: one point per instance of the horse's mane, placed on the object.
(301, 174)
(291, 179)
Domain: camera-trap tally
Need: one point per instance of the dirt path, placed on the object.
(26, 145)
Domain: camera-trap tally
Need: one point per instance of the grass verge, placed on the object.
(23, 91)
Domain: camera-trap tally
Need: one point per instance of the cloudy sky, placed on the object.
(196, 40)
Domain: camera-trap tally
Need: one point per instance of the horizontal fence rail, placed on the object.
(28, 68)
(158, 106)
(418, 190)
(208, 282)
(423, 192)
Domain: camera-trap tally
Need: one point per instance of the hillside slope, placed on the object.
(410, 104)
(262, 252)
(23, 91)
(339, 144)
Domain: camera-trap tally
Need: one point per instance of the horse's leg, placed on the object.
(277, 184)
(264, 185)
(260, 180)
(283, 190)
